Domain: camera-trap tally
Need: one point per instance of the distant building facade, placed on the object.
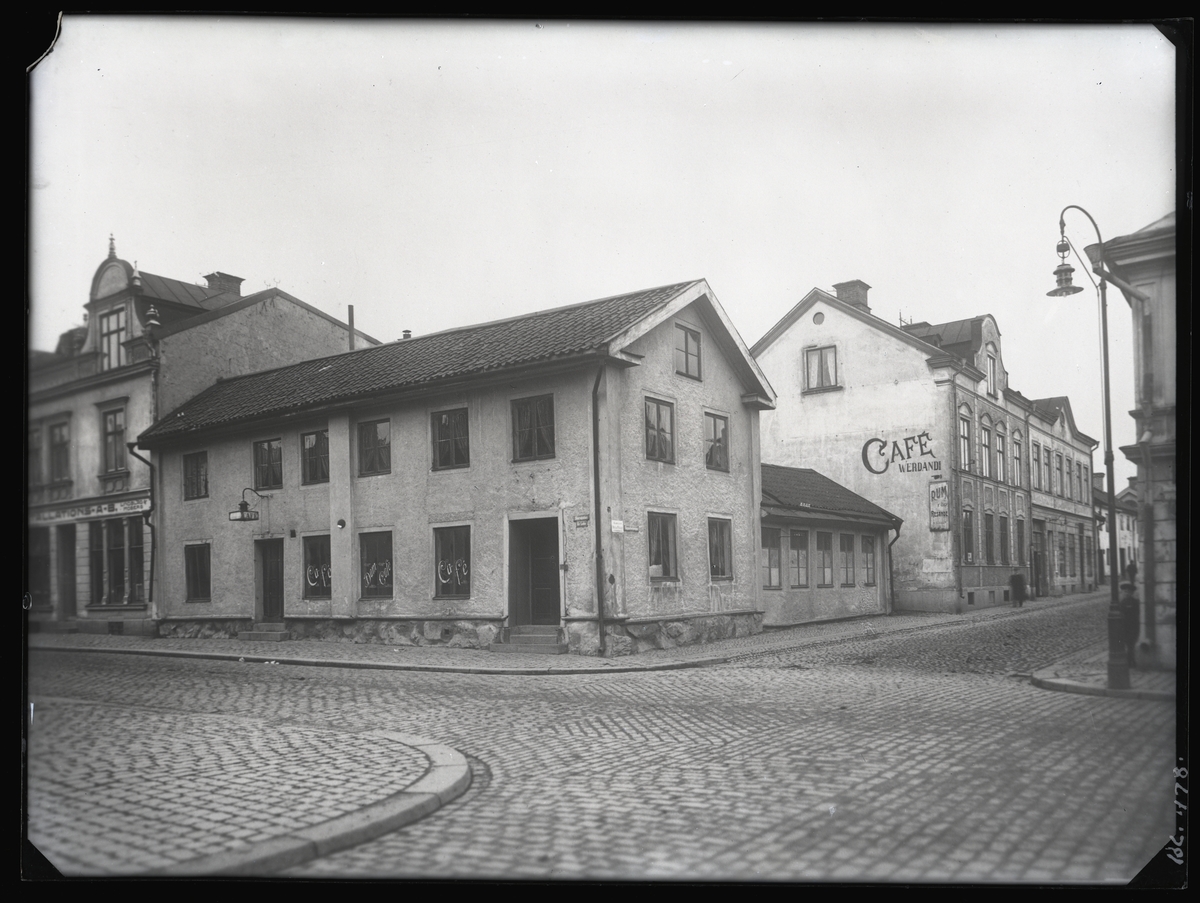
(1128, 539)
(1144, 266)
(921, 420)
(149, 342)
(585, 478)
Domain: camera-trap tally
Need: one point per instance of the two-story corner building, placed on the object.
(149, 342)
(1127, 530)
(921, 421)
(587, 477)
(1143, 266)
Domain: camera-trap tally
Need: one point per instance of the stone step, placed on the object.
(268, 636)
(269, 625)
(534, 648)
(534, 639)
(534, 630)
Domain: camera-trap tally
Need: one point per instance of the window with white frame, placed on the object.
(1035, 467)
(1001, 460)
(846, 542)
(868, 553)
(798, 557)
(985, 451)
(716, 442)
(824, 561)
(660, 431)
(451, 439)
(687, 352)
(195, 475)
(772, 575)
(114, 440)
(820, 366)
(964, 443)
(112, 337)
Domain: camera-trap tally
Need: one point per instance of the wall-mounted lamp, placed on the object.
(341, 524)
(244, 511)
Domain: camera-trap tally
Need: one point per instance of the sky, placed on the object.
(437, 174)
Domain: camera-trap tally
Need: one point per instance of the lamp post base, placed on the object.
(1118, 663)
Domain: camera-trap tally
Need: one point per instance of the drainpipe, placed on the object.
(150, 592)
(1149, 613)
(891, 575)
(956, 507)
(596, 493)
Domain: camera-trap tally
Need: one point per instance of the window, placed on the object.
(660, 431)
(824, 559)
(197, 564)
(991, 375)
(451, 442)
(720, 549)
(1016, 467)
(112, 334)
(1068, 490)
(314, 457)
(268, 464)
(798, 558)
(716, 442)
(1079, 481)
(985, 452)
(771, 566)
(1062, 555)
(1020, 542)
(375, 563)
(1049, 487)
(35, 456)
(453, 551)
(846, 542)
(1003, 539)
(661, 535)
(1088, 558)
(96, 561)
(868, 552)
(964, 443)
(989, 539)
(533, 428)
(137, 560)
(1071, 553)
(317, 573)
(1036, 467)
(1000, 459)
(821, 367)
(195, 475)
(115, 546)
(60, 452)
(114, 440)
(374, 447)
(968, 534)
(687, 352)
(1087, 481)
(1058, 476)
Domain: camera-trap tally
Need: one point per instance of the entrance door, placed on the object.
(271, 555)
(533, 585)
(66, 571)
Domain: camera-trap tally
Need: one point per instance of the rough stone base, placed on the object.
(623, 638)
(395, 632)
(204, 630)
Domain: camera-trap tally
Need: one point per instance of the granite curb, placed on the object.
(446, 779)
(1053, 679)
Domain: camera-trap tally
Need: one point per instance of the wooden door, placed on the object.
(271, 552)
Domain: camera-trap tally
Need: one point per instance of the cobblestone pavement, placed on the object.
(924, 755)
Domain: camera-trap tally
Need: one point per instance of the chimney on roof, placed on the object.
(407, 334)
(223, 282)
(853, 293)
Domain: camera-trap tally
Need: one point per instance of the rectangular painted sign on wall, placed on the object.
(939, 505)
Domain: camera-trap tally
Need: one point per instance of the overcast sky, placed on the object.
(441, 174)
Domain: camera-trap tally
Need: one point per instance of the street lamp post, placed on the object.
(1118, 663)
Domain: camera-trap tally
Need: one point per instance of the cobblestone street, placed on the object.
(923, 755)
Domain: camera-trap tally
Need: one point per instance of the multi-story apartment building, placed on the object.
(921, 420)
(149, 343)
(585, 477)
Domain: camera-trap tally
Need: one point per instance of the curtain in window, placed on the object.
(719, 548)
(316, 457)
(662, 545)
(453, 561)
(658, 432)
(545, 426)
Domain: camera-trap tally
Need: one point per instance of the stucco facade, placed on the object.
(921, 421)
(532, 523)
(90, 498)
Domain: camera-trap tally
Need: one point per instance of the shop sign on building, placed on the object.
(910, 454)
(84, 512)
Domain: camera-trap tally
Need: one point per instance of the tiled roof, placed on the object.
(564, 332)
(802, 488)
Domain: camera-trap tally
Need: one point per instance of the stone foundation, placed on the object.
(630, 638)
(204, 630)
(394, 632)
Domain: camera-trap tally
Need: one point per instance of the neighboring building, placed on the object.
(1127, 529)
(588, 474)
(922, 421)
(149, 343)
(1143, 266)
(825, 549)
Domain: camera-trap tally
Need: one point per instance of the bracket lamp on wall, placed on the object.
(244, 511)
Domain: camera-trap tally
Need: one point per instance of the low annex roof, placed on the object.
(561, 334)
(801, 491)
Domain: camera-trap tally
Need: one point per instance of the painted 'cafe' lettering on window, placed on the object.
(452, 571)
(877, 457)
(377, 573)
(319, 575)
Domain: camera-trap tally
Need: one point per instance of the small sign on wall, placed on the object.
(618, 526)
(939, 505)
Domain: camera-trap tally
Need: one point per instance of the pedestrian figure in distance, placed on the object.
(1129, 621)
(1017, 583)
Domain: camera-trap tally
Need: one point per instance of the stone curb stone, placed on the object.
(447, 778)
(1051, 681)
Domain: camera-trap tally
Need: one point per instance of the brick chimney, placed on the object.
(853, 293)
(223, 282)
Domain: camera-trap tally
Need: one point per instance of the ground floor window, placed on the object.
(846, 542)
(989, 539)
(868, 551)
(772, 577)
(197, 565)
(39, 565)
(798, 558)
(317, 568)
(1062, 554)
(1020, 542)
(824, 559)
(660, 530)
(375, 562)
(1004, 540)
(720, 548)
(1071, 553)
(116, 561)
(968, 534)
(453, 550)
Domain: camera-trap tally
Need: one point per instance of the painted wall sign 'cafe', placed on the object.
(903, 454)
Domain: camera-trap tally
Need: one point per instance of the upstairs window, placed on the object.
(374, 447)
(820, 365)
(991, 374)
(1068, 491)
(314, 457)
(660, 530)
(533, 428)
(964, 443)
(195, 475)
(1049, 487)
(716, 442)
(1000, 459)
(268, 464)
(60, 452)
(1016, 468)
(112, 335)
(1059, 488)
(451, 443)
(1079, 481)
(687, 352)
(985, 452)
(720, 549)
(660, 431)
(114, 440)
(1035, 467)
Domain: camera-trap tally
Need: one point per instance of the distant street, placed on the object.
(924, 755)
